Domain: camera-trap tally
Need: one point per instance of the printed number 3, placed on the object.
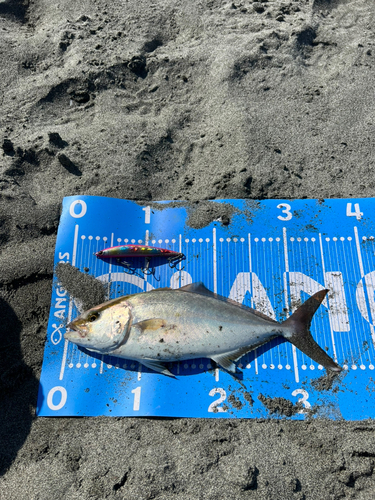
(287, 210)
(302, 400)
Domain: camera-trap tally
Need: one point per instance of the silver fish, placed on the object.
(167, 325)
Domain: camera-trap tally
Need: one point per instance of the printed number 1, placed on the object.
(147, 214)
(357, 211)
(287, 211)
(137, 398)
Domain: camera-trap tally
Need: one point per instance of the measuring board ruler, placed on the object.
(271, 256)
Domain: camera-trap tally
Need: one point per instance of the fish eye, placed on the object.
(93, 317)
(100, 252)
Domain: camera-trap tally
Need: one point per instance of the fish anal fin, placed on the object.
(157, 366)
(228, 359)
(225, 362)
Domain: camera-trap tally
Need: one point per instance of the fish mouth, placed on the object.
(74, 333)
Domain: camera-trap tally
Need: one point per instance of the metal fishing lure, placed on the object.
(122, 252)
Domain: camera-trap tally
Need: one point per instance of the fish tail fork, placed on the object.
(297, 331)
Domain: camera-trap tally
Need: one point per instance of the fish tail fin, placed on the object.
(297, 331)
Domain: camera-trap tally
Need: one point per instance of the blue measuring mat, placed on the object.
(271, 256)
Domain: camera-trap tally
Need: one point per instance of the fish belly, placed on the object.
(170, 325)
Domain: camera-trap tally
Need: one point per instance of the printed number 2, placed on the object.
(214, 407)
(302, 400)
(357, 211)
(287, 210)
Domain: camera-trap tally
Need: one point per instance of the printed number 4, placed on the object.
(287, 211)
(357, 211)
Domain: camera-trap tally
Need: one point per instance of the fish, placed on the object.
(167, 325)
(122, 252)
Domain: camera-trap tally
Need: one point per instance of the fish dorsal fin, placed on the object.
(157, 367)
(197, 288)
(200, 289)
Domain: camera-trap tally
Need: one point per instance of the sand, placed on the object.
(151, 100)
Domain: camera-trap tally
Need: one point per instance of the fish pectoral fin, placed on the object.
(228, 359)
(151, 324)
(157, 367)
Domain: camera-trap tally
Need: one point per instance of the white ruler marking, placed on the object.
(294, 351)
(324, 277)
(215, 258)
(180, 250)
(369, 266)
(286, 271)
(349, 299)
(364, 284)
(251, 294)
(145, 276)
(110, 270)
(215, 285)
(360, 262)
(74, 254)
(361, 270)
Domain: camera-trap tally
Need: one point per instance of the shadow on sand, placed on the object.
(18, 389)
(186, 367)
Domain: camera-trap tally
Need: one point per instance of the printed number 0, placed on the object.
(83, 211)
(214, 408)
(63, 396)
(287, 209)
(302, 400)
